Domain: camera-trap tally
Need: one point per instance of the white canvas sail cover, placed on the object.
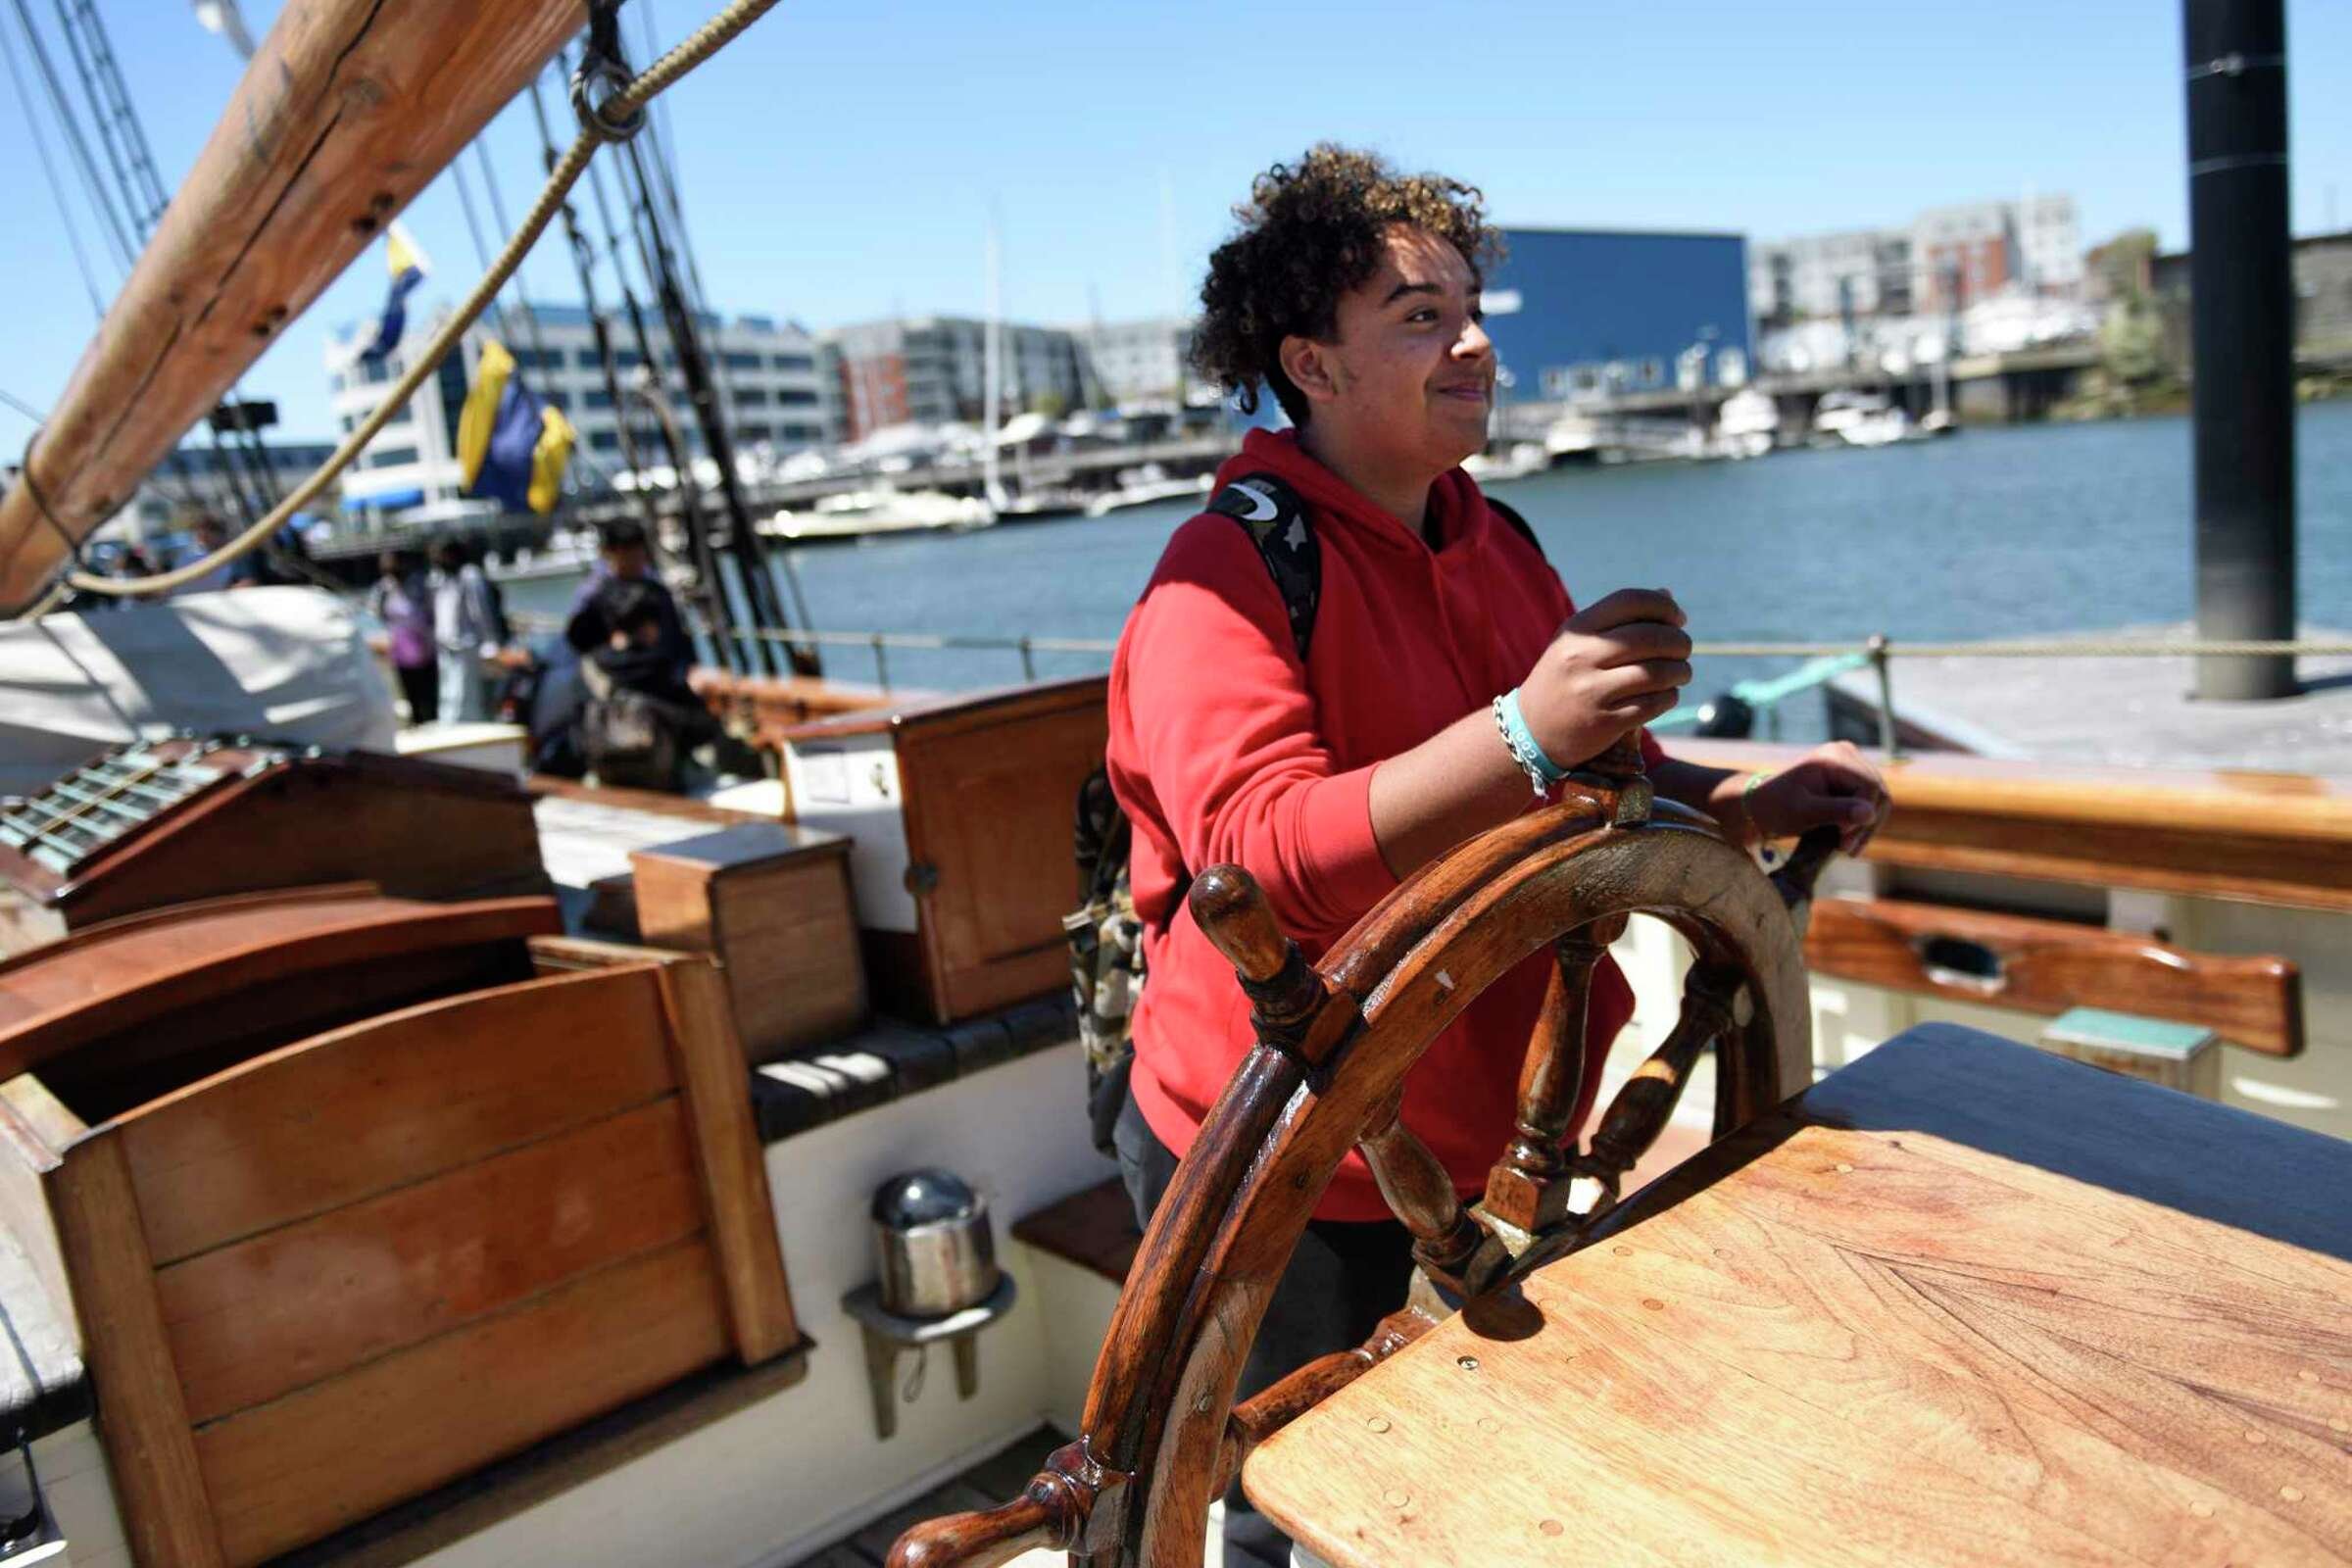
(275, 663)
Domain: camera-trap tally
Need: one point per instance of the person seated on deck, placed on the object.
(641, 719)
(626, 555)
(1352, 293)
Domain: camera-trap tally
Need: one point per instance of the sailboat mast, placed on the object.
(992, 375)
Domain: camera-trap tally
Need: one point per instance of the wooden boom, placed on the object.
(348, 108)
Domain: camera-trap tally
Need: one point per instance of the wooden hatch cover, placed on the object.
(163, 822)
(134, 970)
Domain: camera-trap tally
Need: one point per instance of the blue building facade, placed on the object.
(1580, 314)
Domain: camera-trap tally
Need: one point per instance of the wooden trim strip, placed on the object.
(166, 1508)
(2266, 838)
(954, 711)
(2047, 966)
(709, 1061)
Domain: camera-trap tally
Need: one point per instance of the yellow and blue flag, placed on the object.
(512, 446)
(409, 268)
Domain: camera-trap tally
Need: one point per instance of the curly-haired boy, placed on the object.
(1331, 765)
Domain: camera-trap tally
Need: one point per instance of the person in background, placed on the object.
(626, 557)
(465, 632)
(401, 598)
(209, 534)
(641, 719)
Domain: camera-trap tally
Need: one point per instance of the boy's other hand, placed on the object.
(1834, 784)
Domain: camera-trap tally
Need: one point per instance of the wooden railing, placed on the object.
(2265, 838)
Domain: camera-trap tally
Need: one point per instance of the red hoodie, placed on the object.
(1222, 748)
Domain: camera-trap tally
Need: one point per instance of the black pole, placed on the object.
(2242, 337)
(761, 596)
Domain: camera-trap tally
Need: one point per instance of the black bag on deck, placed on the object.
(628, 739)
(1106, 936)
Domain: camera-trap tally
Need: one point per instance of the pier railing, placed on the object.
(1825, 660)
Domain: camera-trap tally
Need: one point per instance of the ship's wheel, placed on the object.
(1161, 1436)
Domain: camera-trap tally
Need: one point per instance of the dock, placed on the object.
(2134, 712)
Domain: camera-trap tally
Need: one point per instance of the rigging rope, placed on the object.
(92, 188)
(625, 101)
(57, 188)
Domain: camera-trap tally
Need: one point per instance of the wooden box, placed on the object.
(345, 1271)
(770, 901)
(959, 812)
(163, 822)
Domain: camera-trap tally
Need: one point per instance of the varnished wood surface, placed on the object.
(53, 1000)
(166, 1511)
(292, 1306)
(367, 1263)
(298, 1467)
(988, 788)
(379, 1105)
(2271, 838)
(986, 785)
(2047, 966)
(348, 110)
(768, 706)
(953, 712)
(414, 828)
(1961, 1303)
(728, 1160)
(410, 1532)
(1094, 1228)
(654, 803)
(771, 901)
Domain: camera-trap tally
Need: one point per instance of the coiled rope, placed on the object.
(608, 118)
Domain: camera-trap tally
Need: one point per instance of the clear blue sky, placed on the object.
(840, 159)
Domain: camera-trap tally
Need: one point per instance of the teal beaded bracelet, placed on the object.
(1543, 773)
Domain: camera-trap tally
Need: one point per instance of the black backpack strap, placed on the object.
(1510, 515)
(1283, 532)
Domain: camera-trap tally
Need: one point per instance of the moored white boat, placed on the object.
(1861, 420)
(864, 513)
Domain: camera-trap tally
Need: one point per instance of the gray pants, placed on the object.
(1343, 1280)
(465, 687)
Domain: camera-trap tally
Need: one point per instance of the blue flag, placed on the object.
(407, 261)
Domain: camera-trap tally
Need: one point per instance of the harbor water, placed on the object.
(2021, 531)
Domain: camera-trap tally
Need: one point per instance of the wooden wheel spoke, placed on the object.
(1421, 1193)
(1642, 1109)
(1528, 1188)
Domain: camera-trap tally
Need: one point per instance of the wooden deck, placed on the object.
(1960, 1302)
(2127, 712)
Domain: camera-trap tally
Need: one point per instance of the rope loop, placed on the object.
(596, 113)
(601, 60)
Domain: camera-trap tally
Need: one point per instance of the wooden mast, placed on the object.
(349, 109)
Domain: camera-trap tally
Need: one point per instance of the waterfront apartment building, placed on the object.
(1136, 362)
(1584, 314)
(932, 369)
(1945, 258)
(773, 378)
